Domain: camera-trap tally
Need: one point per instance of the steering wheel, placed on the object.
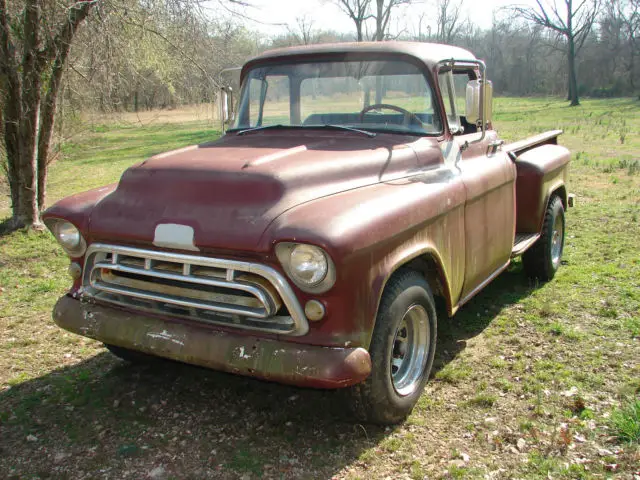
(407, 114)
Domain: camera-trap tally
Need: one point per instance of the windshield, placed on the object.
(380, 95)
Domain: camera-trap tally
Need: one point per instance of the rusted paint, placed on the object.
(541, 171)
(284, 362)
(229, 206)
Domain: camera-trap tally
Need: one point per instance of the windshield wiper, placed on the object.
(344, 127)
(327, 125)
(264, 127)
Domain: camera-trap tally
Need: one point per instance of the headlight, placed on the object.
(68, 236)
(308, 266)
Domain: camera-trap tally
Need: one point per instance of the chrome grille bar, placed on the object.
(130, 292)
(157, 281)
(255, 291)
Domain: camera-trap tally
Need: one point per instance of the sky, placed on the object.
(273, 16)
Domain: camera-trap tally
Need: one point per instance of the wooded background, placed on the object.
(63, 59)
(131, 60)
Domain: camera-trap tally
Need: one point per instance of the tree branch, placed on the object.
(175, 47)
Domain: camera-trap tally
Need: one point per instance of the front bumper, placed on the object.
(284, 362)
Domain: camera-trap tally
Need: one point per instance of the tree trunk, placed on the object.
(28, 122)
(379, 88)
(573, 79)
(11, 140)
(631, 71)
(379, 21)
(28, 214)
(47, 122)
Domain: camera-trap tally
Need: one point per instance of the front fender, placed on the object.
(77, 208)
(369, 233)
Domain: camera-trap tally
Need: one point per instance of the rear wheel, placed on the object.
(402, 350)
(543, 259)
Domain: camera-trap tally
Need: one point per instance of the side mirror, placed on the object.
(226, 106)
(473, 113)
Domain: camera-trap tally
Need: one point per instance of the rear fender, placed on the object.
(542, 172)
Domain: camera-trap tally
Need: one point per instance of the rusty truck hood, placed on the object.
(230, 190)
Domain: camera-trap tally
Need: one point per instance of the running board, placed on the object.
(522, 242)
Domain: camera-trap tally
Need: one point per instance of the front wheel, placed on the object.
(543, 259)
(402, 350)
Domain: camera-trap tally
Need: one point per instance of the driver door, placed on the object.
(489, 179)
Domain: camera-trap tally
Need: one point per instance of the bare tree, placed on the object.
(422, 32)
(382, 16)
(620, 30)
(568, 20)
(33, 53)
(450, 20)
(36, 39)
(358, 11)
(304, 33)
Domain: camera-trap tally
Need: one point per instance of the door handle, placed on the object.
(494, 146)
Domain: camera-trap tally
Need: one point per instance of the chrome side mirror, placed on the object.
(473, 111)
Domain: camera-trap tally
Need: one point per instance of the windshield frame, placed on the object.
(284, 60)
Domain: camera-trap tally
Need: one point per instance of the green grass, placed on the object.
(106, 152)
(626, 422)
(552, 364)
(99, 156)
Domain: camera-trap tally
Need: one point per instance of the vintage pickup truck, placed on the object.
(360, 186)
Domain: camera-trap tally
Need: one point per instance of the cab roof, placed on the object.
(428, 53)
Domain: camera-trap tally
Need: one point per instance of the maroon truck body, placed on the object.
(450, 208)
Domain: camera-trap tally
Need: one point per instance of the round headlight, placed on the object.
(308, 264)
(68, 236)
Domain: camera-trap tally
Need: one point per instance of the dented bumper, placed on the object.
(284, 362)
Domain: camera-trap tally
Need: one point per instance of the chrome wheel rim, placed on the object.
(556, 241)
(410, 349)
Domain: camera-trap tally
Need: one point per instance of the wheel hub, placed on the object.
(556, 241)
(410, 350)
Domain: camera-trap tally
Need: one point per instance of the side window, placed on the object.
(460, 80)
(453, 86)
(445, 80)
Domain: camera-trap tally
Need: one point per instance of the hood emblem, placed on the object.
(173, 235)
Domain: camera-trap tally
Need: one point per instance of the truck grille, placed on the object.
(210, 290)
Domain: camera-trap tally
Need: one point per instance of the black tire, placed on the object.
(131, 356)
(381, 398)
(543, 259)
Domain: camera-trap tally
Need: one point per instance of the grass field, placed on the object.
(530, 381)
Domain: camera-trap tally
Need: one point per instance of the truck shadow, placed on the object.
(102, 415)
(472, 318)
